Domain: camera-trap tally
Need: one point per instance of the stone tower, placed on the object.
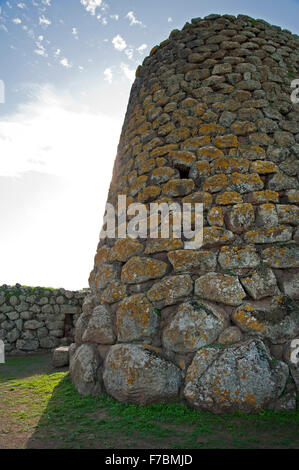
(212, 118)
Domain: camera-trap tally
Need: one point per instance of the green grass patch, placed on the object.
(46, 403)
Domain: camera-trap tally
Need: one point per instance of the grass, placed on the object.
(39, 408)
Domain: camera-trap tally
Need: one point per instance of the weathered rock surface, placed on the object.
(60, 357)
(99, 327)
(195, 325)
(136, 319)
(134, 374)
(275, 321)
(85, 370)
(240, 377)
(220, 288)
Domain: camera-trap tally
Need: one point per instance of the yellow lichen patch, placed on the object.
(215, 183)
(288, 214)
(195, 143)
(163, 150)
(114, 293)
(189, 103)
(211, 129)
(176, 188)
(247, 182)
(215, 217)
(200, 197)
(184, 260)
(165, 129)
(156, 142)
(178, 135)
(245, 319)
(139, 269)
(138, 184)
(243, 127)
(146, 166)
(216, 235)
(163, 244)
(269, 234)
(209, 153)
(228, 198)
(261, 197)
(202, 167)
(293, 196)
(101, 256)
(124, 248)
(229, 164)
(264, 168)
(182, 158)
(150, 193)
(226, 141)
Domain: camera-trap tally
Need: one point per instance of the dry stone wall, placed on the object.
(35, 318)
(210, 120)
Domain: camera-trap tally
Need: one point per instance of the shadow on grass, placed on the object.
(19, 367)
(73, 421)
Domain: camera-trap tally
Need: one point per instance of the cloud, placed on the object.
(37, 138)
(21, 5)
(142, 48)
(57, 52)
(170, 20)
(57, 167)
(119, 43)
(3, 28)
(114, 17)
(129, 53)
(17, 21)
(65, 63)
(129, 73)
(133, 19)
(47, 2)
(40, 48)
(75, 33)
(91, 5)
(108, 75)
(43, 21)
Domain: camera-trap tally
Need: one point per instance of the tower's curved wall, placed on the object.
(210, 120)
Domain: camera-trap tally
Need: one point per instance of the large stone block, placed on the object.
(241, 377)
(134, 374)
(196, 324)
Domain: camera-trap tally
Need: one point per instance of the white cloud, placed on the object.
(119, 43)
(142, 48)
(57, 52)
(114, 17)
(17, 21)
(129, 53)
(65, 63)
(108, 75)
(66, 154)
(40, 49)
(3, 28)
(21, 5)
(81, 68)
(133, 19)
(170, 20)
(75, 33)
(47, 2)
(43, 21)
(91, 5)
(129, 73)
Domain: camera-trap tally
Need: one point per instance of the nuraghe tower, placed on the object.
(212, 118)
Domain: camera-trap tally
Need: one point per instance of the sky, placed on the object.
(66, 69)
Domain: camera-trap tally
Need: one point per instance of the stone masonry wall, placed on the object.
(36, 318)
(209, 120)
